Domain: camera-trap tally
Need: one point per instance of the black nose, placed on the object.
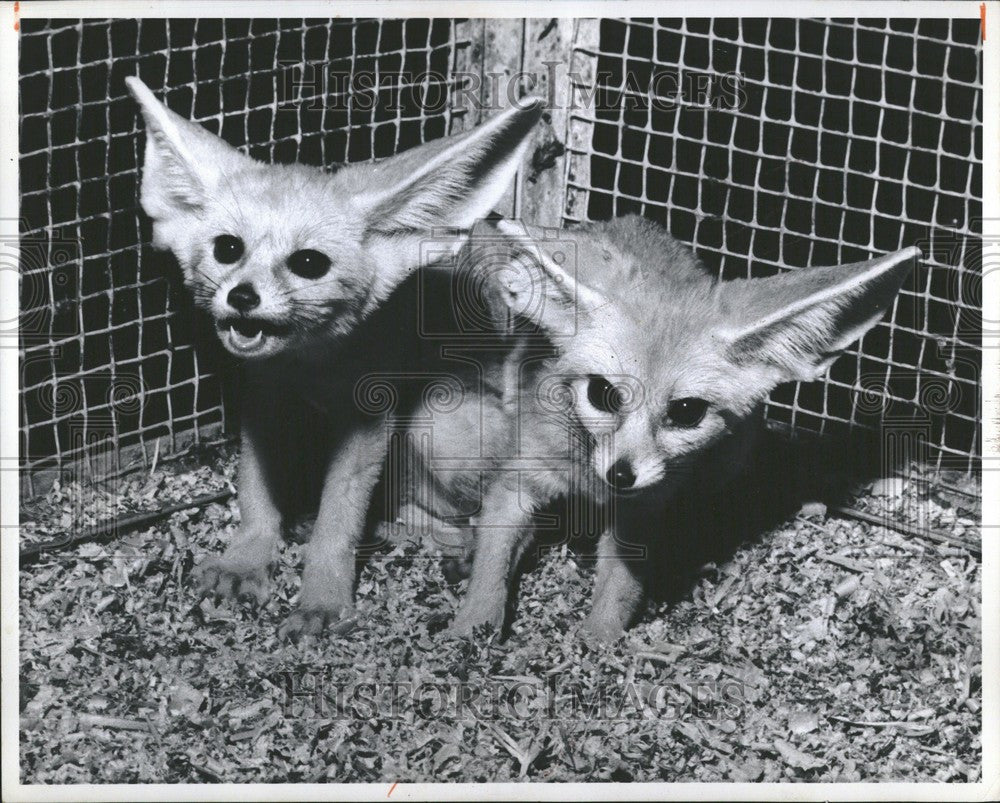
(620, 475)
(243, 298)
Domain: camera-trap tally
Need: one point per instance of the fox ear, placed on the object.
(451, 182)
(538, 282)
(443, 186)
(183, 162)
(798, 323)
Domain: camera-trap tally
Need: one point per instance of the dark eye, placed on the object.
(309, 264)
(686, 412)
(603, 395)
(228, 249)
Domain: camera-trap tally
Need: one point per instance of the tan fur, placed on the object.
(310, 340)
(636, 307)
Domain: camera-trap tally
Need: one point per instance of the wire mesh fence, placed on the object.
(774, 144)
(767, 144)
(115, 363)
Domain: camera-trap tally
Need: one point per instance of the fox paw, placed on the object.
(313, 620)
(222, 578)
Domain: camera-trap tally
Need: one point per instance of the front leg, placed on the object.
(243, 570)
(618, 592)
(327, 594)
(501, 530)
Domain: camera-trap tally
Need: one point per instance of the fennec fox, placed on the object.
(654, 393)
(297, 268)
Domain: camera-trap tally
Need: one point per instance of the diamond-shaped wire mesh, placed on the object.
(844, 139)
(113, 358)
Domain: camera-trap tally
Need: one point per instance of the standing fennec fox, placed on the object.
(297, 267)
(654, 392)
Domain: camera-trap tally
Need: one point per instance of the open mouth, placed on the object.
(248, 335)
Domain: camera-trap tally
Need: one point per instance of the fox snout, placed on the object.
(250, 319)
(626, 456)
(243, 298)
(628, 474)
(621, 476)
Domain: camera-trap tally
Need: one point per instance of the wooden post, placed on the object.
(495, 56)
(553, 59)
(559, 53)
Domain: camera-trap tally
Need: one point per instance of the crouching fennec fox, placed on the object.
(653, 394)
(297, 267)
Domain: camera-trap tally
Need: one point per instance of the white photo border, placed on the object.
(13, 790)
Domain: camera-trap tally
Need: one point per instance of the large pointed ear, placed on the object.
(539, 282)
(183, 163)
(451, 182)
(437, 190)
(796, 324)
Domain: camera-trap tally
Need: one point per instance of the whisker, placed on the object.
(292, 290)
(215, 285)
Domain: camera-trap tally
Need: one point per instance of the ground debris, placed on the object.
(827, 650)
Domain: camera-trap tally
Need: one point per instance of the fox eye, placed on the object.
(686, 412)
(227, 249)
(603, 395)
(309, 264)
